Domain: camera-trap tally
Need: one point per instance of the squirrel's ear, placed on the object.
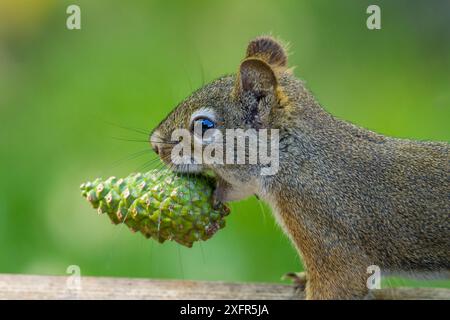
(257, 76)
(268, 50)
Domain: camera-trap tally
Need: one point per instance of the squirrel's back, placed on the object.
(390, 195)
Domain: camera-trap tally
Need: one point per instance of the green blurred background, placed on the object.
(131, 62)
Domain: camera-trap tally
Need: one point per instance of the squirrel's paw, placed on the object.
(299, 279)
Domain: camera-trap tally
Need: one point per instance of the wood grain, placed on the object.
(61, 287)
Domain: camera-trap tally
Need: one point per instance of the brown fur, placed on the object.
(347, 197)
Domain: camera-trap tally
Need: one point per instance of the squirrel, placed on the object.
(348, 198)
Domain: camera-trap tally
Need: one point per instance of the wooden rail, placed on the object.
(62, 287)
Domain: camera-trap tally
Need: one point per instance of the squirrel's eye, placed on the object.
(204, 124)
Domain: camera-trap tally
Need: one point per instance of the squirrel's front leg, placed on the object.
(339, 284)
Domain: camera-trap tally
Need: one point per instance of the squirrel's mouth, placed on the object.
(186, 168)
(195, 170)
(182, 164)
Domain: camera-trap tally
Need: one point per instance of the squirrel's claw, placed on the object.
(299, 279)
(216, 203)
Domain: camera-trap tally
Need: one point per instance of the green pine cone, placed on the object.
(159, 204)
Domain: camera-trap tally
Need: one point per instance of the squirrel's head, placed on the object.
(251, 99)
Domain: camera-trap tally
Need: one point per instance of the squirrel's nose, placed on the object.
(154, 139)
